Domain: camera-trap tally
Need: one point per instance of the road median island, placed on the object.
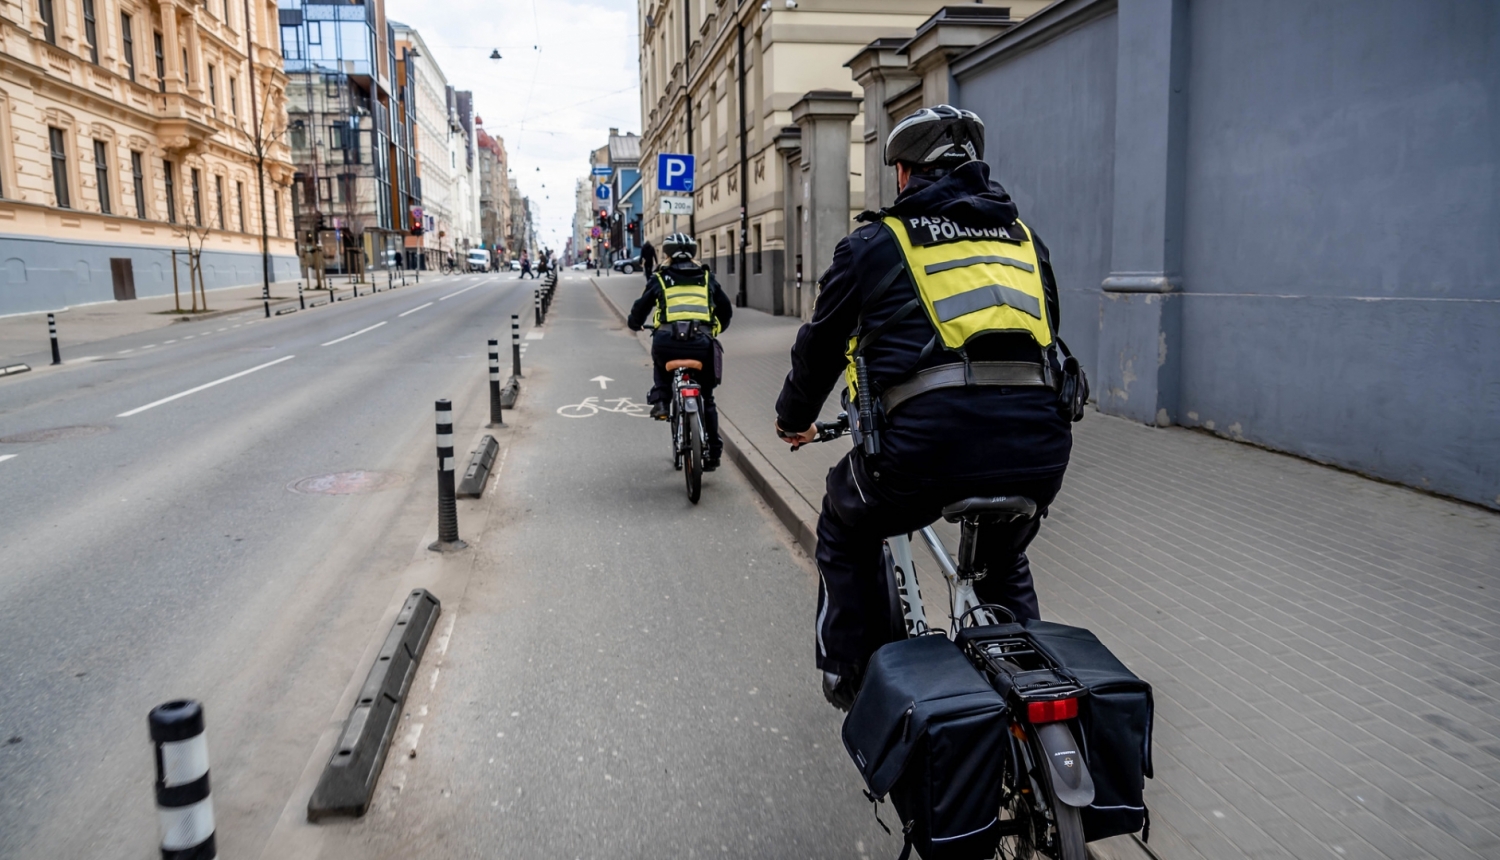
(348, 780)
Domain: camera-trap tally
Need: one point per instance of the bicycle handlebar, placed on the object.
(828, 430)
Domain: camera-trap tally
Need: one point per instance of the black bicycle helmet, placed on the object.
(679, 246)
(941, 136)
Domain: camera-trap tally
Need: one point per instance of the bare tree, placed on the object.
(195, 237)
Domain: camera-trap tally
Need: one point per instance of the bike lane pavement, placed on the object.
(626, 674)
(1323, 647)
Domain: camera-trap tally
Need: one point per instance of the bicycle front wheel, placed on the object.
(693, 468)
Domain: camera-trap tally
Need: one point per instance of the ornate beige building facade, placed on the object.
(787, 64)
(122, 124)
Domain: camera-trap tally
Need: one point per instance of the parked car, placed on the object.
(515, 265)
(580, 266)
(628, 266)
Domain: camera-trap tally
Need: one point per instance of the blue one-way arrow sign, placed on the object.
(674, 172)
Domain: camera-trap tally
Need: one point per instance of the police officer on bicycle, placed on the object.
(689, 309)
(941, 313)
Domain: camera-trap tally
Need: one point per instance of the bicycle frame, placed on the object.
(965, 604)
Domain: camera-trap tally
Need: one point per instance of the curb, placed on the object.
(348, 780)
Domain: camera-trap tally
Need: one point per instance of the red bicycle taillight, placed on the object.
(1051, 712)
(689, 392)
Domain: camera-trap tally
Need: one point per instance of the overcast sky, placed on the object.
(568, 74)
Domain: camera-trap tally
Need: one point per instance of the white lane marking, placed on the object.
(165, 342)
(415, 309)
(232, 376)
(221, 329)
(356, 334)
(148, 346)
(189, 337)
(535, 335)
(451, 295)
(4, 457)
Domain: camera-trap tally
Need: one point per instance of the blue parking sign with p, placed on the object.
(674, 172)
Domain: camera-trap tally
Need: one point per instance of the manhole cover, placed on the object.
(347, 483)
(54, 434)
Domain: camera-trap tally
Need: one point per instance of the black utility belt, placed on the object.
(1007, 374)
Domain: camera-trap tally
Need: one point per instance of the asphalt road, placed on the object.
(152, 549)
(619, 673)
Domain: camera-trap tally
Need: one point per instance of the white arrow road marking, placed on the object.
(415, 309)
(4, 457)
(356, 334)
(602, 380)
(140, 409)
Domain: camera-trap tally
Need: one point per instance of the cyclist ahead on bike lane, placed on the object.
(947, 303)
(689, 309)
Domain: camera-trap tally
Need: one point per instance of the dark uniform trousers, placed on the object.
(665, 348)
(860, 511)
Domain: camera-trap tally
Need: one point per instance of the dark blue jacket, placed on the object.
(642, 310)
(978, 432)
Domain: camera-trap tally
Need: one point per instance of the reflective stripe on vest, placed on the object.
(683, 302)
(975, 287)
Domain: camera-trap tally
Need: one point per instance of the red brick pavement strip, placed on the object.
(1325, 648)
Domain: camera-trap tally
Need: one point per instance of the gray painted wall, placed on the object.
(38, 274)
(1049, 139)
(1339, 291)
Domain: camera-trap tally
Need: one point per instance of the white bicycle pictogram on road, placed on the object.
(592, 406)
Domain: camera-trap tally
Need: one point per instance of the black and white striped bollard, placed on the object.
(495, 418)
(536, 296)
(52, 330)
(447, 494)
(301, 302)
(515, 345)
(183, 804)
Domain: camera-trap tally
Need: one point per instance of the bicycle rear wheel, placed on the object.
(693, 468)
(1037, 824)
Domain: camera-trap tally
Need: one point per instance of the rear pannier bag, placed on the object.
(1115, 718)
(928, 730)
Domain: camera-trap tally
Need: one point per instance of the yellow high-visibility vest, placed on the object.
(686, 301)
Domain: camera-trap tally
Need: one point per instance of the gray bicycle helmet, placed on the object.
(941, 136)
(679, 246)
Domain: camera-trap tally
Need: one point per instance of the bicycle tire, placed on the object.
(1054, 831)
(676, 422)
(693, 468)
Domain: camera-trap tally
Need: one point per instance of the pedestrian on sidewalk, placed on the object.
(648, 258)
(689, 309)
(963, 378)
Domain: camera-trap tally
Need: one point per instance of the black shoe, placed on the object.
(659, 411)
(840, 690)
(710, 464)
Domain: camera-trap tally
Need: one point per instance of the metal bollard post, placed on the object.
(536, 296)
(183, 804)
(301, 302)
(52, 330)
(496, 420)
(447, 498)
(515, 345)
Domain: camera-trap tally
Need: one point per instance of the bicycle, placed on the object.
(685, 412)
(1039, 813)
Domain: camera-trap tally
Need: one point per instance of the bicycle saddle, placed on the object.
(991, 509)
(689, 363)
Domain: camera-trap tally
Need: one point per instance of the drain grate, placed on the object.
(347, 483)
(57, 434)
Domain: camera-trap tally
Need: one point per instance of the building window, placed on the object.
(187, 77)
(59, 167)
(219, 200)
(138, 183)
(276, 196)
(239, 196)
(213, 88)
(49, 21)
(91, 31)
(127, 44)
(197, 178)
(758, 261)
(325, 190)
(713, 259)
(234, 95)
(161, 63)
(170, 179)
(101, 175)
(729, 249)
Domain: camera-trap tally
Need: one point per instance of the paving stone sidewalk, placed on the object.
(1325, 649)
(25, 335)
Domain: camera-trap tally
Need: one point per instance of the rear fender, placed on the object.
(1071, 782)
(690, 404)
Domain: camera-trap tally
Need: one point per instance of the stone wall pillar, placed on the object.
(1140, 331)
(881, 72)
(789, 148)
(824, 117)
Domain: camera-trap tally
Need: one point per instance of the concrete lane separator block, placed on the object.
(481, 461)
(11, 369)
(510, 393)
(348, 780)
